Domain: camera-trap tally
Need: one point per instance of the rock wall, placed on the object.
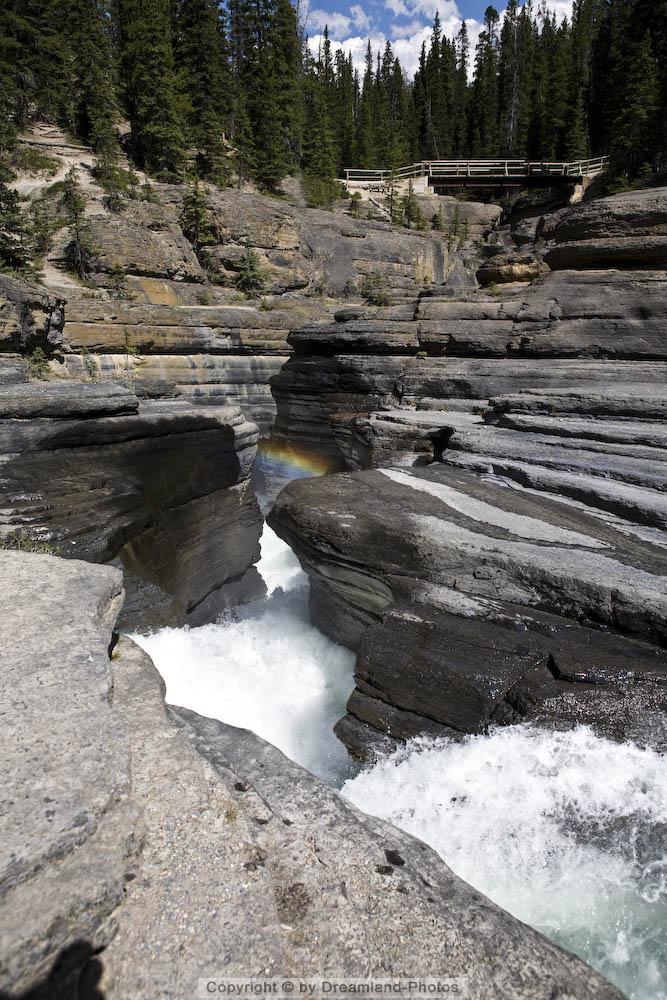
(162, 488)
(147, 846)
(168, 321)
(538, 529)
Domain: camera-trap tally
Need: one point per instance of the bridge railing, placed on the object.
(485, 170)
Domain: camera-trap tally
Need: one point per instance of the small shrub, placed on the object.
(437, 221)
(321, 192)
(44, 223)
(117, 182)
(355, 203)
(374, 289)
(89, 366)
(130, 347)
(265, 305)
(250, 277)
(147, 192)
(38, 364)
(118, 277)
(33, 161)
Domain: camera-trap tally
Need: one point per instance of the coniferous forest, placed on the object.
(232, 92)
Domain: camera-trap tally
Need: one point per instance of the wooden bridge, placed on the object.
(441, 174)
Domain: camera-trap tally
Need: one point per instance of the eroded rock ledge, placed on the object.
(144, 846)
(474, 602)
(161, 488)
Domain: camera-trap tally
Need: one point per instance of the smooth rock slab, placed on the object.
(466, 601)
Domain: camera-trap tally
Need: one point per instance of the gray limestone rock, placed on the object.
(466, 599)
(148, 846)
(29, 317)
(164, 488)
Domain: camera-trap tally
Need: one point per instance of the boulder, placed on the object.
(510, 267)
(624, 230)
(148, 846)
(143, 243)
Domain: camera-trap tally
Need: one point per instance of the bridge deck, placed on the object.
(492, 173)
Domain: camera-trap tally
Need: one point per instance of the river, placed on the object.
(567, 831)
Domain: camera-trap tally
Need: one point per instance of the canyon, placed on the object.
(488, 541)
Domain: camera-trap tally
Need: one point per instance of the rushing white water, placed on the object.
(565, 830)
(265, 668)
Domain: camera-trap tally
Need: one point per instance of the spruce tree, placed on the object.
(149, 83)
(200, 49)
(95, 108)
(15, 241)
(484, 130)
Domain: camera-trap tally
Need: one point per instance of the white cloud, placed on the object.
(447, 9)
(360, 18)
(397, 8)
(407, 29)
(338, 24)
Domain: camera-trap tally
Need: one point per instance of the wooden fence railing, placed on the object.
(486, 171)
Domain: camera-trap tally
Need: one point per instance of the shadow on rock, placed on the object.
(75, 975)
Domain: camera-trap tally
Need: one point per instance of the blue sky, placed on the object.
(406, 23)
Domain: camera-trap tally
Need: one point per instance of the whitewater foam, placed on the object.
(564, 830)
(265, 668)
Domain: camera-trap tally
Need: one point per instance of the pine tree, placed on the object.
(149, 80)
(484, 104)
(79, 249)
(15, 242)
(365, 131)
(411, 213)
(250, 278)
(633, 88)
(196, 220)
(461, 95)
(287, 75)
(319, 152)
(95, 108)
(200, 49)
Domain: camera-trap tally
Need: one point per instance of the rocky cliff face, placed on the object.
(151, 315)
(162, 488)
(541, 408)
(146, 846)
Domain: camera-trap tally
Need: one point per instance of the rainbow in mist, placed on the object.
(283, 460)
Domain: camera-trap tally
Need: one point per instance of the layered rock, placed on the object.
(146, 846)
(624, 230)
(162, 488)
(471, 603)
(29, 317)
(150, 301)
(541, 409)
(590, 328)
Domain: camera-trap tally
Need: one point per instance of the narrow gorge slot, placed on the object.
(565, 830)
